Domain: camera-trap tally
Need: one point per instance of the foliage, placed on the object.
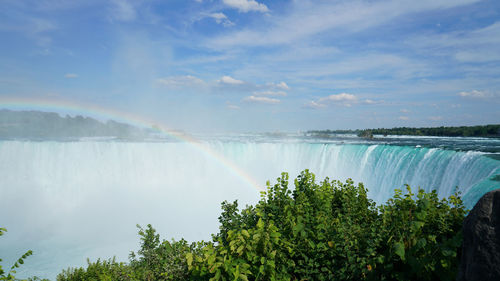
(160, 260)
(422, 236)
(462, 131)
(332, 231)
(36, 278)
(99, 270)
(367, 134)
(325, 231)
(10, 274)
(155, 260)
(38, 124)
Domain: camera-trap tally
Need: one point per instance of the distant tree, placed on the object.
(367, 134)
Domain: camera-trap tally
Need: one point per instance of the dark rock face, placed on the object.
(481, 244)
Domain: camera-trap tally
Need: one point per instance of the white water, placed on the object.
(71, 200)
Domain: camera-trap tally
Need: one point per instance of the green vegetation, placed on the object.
(10, 275)
(367, 134)
(325, 231)
(463, 131)
(37, 124)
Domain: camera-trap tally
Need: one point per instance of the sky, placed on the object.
(256, 65)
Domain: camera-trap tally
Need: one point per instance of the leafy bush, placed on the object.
(155, 260)
(332, 231)
(325, 231)
(160, 260)
(99, 270)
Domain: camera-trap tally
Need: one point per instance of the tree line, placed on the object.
(490, 131)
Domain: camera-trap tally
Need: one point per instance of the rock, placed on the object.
(481, 240)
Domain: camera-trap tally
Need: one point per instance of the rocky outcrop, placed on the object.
(481, 240)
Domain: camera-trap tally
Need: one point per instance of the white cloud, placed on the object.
(342, 97)
(388, 64)
(369, 101)
(482, 36)
(404, 118)
(404, 110)
(281, 85)
(314, 105)
(71, 75)
(307, 18)
(470, 46)
(34, 28)
(60, 5)
(232, 106)
(221, 18)
(42, 25)
(246, 5)
(270, 93)
(123, 10)
(180, 81)
(478, 57)
(227, 82)
(230, 80)
(475, 94)
(266, 100)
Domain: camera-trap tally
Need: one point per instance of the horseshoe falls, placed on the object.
(69, 200)
(381, 168)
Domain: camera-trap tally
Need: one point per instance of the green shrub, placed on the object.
(160, 260)
(325, 231)
(333, 231)
(155, 260)
(108, 270)
(422, 236)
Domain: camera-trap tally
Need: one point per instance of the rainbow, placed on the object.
(104, 113)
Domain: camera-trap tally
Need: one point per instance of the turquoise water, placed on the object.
(381, 167)
(76, 199)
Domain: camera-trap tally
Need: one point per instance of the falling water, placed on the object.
(71, 200)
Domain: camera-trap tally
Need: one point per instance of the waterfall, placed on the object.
(382, 168)
(71, 200)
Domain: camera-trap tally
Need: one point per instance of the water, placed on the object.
(69, 200)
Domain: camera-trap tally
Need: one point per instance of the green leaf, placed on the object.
(240, 249)
(260, 223)
(311, 244)
(416, 225)
(449, 253)
(421, 243)
(189, 258)
(399, 249)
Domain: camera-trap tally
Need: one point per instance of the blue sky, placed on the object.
(255, 65)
